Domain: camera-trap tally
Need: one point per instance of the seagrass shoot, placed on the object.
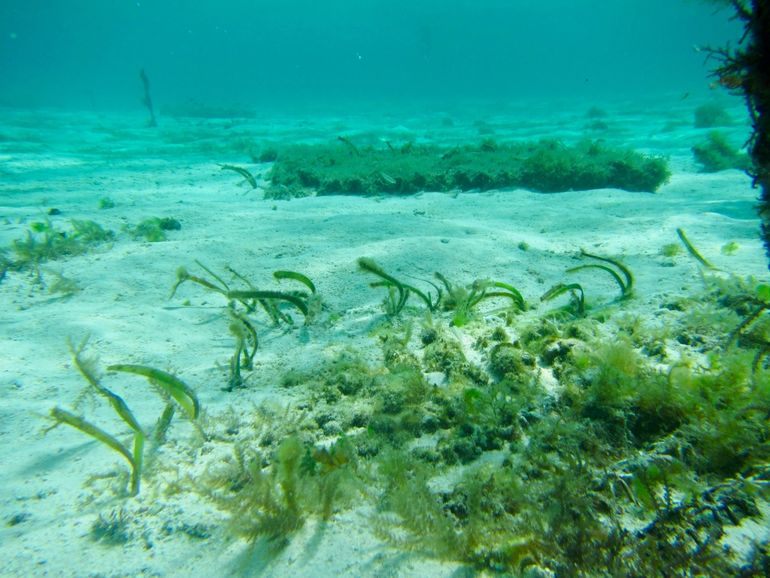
(173, 391)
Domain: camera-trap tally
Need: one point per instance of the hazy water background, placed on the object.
(88, 53)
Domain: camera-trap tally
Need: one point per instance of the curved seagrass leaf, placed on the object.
(623, 287)
(296, 277)
(629, 284)
(243, 172)
(169, 383)
(562, 288)
(60, 415)
(694, 252)
(298, 302)
(510, 292)
(369, 265)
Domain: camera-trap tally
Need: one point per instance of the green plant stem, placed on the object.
(693, 251)
(135, 460)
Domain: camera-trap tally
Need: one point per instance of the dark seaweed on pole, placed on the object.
(745, 70)
(147, 100)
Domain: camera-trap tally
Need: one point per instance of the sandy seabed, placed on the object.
(54, 485)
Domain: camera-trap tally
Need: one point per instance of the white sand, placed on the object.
(70, 161)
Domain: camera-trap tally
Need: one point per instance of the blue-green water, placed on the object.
(398, 356)
(88, 53)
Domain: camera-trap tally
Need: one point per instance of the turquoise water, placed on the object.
(479, 380)
(88, 54)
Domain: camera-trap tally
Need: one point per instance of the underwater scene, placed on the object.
(384, 289)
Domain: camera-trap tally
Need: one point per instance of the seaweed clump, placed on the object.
(154, 229)
(711, 115)
(716, 154)
(273, 501)
(545, 166)
(45, 241)
(682, 454)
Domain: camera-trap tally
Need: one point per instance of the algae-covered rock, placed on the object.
(544, 166)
